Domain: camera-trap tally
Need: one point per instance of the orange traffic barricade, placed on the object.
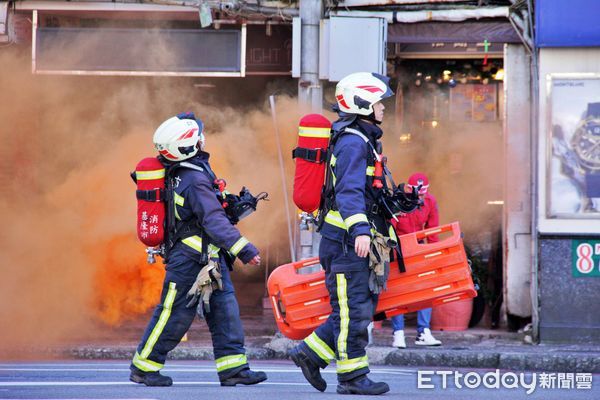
(436, 273)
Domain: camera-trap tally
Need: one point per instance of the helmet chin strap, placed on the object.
(370, 118)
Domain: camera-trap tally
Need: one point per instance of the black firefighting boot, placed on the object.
(149, 378)
(362, 385)
(310, 370)
(245, 377)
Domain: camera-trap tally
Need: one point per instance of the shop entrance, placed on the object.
(448, 124)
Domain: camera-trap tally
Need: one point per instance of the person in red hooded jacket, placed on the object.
(425, 217)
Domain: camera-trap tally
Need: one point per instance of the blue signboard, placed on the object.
(567, 23)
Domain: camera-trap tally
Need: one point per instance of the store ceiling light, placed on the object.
(405, 138)
(499, 76)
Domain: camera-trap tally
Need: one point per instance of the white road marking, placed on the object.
(123, 383)
(169, 368)
(196, 369)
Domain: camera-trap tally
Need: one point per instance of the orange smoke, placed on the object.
(125, 285)
(72, 262)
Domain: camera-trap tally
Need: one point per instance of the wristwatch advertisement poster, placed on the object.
(573, 174)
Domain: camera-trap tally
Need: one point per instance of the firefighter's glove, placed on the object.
(379, 262)
(208, 280)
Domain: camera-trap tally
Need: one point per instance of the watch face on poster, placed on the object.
(573, 186)
(586, 143)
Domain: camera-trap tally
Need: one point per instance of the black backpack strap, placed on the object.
(170, 230)
(401, 265)
(327, 192)
(313, 155)
(154, 195)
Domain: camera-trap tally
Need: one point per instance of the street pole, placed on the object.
(310, 94)
(310, 91)
(283, 180)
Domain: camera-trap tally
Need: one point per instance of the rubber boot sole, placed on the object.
(345, 390)
(136, 379)
(140, 379)
(242, 381)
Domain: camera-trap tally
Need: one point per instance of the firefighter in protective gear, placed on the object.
(427, 216)
(202, 235)
(351, 218)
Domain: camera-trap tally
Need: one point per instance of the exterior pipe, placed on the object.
(535, 303)
(432, 15)
(367, 3)
(150, 5)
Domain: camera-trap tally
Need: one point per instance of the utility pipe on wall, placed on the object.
(432, 15)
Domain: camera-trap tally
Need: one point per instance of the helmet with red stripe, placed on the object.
(179, 138)
(356, 93)
(419, 181)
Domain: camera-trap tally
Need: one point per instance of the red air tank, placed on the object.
(314, 131)
(150, 178)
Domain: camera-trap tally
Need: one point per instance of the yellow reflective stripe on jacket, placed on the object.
(238, 246)
(314, 132)
(145, 364)
(195, 242)
(355, 219)
(315, 343)
(392, 234)
(342, 293)
(333, 160)
(370, 171)
(332, 165)
(149, 175)
(345, 366)
(335, 218)
(229, 362)
(162, 320)
(178, 200)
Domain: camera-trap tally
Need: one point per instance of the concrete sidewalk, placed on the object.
(474, 348)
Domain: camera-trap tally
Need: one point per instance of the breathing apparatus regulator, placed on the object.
(397, 202)
(394, 200)
(237, 207)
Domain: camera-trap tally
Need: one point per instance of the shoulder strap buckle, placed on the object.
(317, 155)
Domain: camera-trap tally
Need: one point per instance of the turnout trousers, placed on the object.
(172, 319)
(343, 336)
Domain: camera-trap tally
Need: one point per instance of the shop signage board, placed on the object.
(585, 258)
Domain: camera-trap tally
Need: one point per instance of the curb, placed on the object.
(530, 359)
(497, 359)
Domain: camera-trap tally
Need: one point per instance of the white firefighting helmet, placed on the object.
(356, 93)
(179, 139)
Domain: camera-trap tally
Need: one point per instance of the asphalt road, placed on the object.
(77, 379)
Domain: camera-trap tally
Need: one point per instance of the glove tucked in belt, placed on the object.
(379, 262)
(207, 281)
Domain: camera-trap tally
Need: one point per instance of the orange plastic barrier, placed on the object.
(436, 273)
